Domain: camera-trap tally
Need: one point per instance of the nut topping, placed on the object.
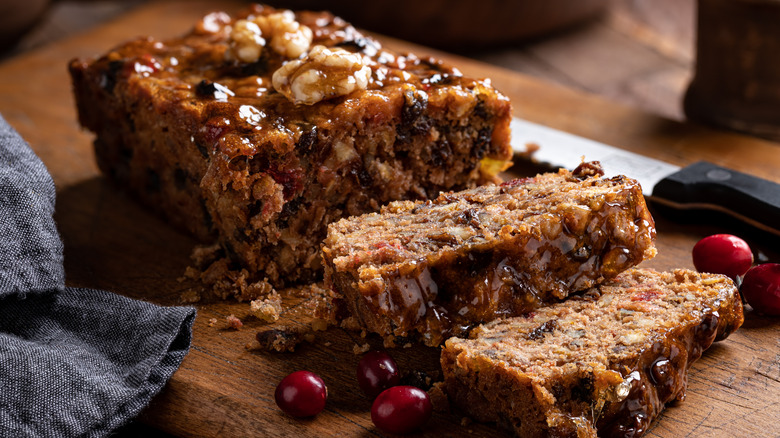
(285, 36)
(324, 73)
(288, 37)
(246, 41)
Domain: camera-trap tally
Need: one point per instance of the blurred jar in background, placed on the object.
(736, 84)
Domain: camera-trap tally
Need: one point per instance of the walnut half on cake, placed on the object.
(434, 269)
(600, 364)
(261, 128)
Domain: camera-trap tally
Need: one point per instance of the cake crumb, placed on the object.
(530, 148)
(319, 325)
(268, 309)
(190, 273)
(465, 421)
(280, 339)
(363, 334)
(408, 345)
(388, 342)
(190, 296)
(212, 322)
(214, 276)
(350, 323)
(420, 379)
(360, 349)
(309, 337)
(439, 400)
(233, 322)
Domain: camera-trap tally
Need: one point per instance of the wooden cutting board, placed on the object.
(223, 389)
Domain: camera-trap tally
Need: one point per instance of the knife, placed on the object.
(701, 185)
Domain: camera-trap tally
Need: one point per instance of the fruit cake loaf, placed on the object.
(433, 269)
(263, 127)
(604, 363)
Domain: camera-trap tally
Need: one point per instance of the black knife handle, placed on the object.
(704, 185)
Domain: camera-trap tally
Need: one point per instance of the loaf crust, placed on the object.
(207, 140)
(433, 269)
(604, 363)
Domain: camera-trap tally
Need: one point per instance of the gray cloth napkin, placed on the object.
(73, 362)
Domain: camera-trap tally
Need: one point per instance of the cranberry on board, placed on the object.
(722, 254)
(301, 394)
(401, 409)
(761, 288)
(376, 372)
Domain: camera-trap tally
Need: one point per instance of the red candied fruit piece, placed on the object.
(761, 288)
(517, 182)
(233, 322)
(291, 180)
(722, 254)
(145, 65)
(214, 128)
(383, 244)
(385, 249)
(646, 295)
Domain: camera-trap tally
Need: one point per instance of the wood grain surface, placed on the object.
(223, 389)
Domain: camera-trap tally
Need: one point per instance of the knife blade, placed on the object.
(699, 186)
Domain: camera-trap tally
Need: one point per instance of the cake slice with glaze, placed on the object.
(601, 364)
(434, 269)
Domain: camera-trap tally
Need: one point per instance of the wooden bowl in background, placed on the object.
(458, 24)
(17, 17)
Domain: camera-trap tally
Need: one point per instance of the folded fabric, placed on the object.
(73, 361)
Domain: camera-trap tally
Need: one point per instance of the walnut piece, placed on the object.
(246, 41)
(280, 30)
(288, 37)
(322, 74)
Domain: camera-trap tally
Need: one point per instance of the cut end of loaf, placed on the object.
(576, 367)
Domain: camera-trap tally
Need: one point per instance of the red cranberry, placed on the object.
(401, 409)
(376, 372)
(761, 288)
(301, 394)
(722, 254)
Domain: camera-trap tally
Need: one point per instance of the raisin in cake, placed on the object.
(263, 127)
(433, 269)
(601, 364)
